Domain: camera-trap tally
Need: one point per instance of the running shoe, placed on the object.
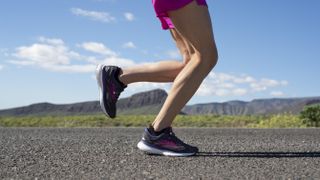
(110, 88)
(165, 144)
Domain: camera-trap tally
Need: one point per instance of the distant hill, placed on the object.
(40, 109)
(150, 102)
(255, 107)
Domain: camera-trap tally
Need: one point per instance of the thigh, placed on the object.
(193, 23)
(184, 47)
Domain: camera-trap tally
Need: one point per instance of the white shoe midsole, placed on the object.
(142, 146)
(99, 80)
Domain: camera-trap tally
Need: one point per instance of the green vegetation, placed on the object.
(280, 121)
(311, 115)
(272, 121)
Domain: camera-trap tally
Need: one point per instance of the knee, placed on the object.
(208, 57)
(181, 65)
(186, 57)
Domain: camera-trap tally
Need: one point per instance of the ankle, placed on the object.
(121, 77)
(158, 127)
(155, 132)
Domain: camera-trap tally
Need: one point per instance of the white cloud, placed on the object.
(129, 16)
(1, 67)
(94, 15)
(129, 45)
(264, 84)
(223, 84)
(98, 48)
(51, 41)
(277, 93)
(174, 54)
(54, 55)
(118, 61)
(221, 92)
(44, 53)
(71, 68)
(239, 91)
(284, 83)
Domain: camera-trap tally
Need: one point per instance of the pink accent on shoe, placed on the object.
(170, 145)
(112, 91)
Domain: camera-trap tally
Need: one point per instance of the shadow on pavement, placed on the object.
(260, 154)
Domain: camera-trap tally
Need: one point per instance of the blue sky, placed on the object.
(48, 49)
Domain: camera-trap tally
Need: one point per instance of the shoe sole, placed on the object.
(99, 70)
(150, 150)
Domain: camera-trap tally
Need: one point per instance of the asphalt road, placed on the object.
(111, 153)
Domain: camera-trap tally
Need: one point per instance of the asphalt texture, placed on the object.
(111, 153)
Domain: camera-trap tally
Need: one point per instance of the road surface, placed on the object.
(111, 153)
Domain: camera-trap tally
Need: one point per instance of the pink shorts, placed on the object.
(162, 7)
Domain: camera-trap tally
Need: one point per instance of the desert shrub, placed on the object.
(310, 115)
(280, 121)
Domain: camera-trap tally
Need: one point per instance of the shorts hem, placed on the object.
(164, 18)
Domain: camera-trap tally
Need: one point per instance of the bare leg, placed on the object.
(164, 71)
(194, 25)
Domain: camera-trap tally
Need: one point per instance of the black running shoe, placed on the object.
(110, 88)
(165, 144)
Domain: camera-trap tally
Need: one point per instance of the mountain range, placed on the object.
(150, 102)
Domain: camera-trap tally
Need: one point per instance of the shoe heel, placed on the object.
(148, 150)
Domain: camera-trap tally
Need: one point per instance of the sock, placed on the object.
(153, 132)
